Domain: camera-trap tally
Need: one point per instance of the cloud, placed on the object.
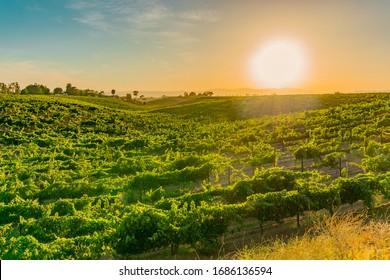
(138, 15)
(81, 5)
(96, 20)
(201, 15)
(156, 13)
(153, 23)
(119, 15)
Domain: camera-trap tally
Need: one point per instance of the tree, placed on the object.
(89, 92)
(14, 88)
(58, 90)
(3, 88)
(113, 92)
(208, 93)
(71, 90)
(135, 93)
(36, 89)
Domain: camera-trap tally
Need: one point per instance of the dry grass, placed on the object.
(340, 237)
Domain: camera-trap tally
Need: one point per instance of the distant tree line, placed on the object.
(14, 88)
(193, 94)
(135, 96)
(72, 90)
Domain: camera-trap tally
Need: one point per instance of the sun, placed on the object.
(279, 63)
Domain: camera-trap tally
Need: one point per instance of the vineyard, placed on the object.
(99, 178)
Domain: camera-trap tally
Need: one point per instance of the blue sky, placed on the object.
(99, 39)
(189, 45)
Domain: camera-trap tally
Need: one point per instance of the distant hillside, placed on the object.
(107, 101)
(258, 92)
(236, 108)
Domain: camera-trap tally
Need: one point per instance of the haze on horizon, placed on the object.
(193, 45)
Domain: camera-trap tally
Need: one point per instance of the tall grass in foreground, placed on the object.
(340, 237)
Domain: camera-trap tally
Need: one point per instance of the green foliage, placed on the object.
(264, 181)
(36, 89)
(356, 188)
(12, 212)
(384, 184)
(154, 195)
(50, 228)
(305, 151)
(63, 207)
(333, 159)
(69, 163)
(196, 198)
(146, 228)
(191, 160)
(151, 180)
(275, 206)
(322, 198)
(141, 230)
(24, 248)
(378, 163)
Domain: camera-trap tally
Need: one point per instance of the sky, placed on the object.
(155, 45)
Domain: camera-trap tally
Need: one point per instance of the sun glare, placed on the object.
(279, 63)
